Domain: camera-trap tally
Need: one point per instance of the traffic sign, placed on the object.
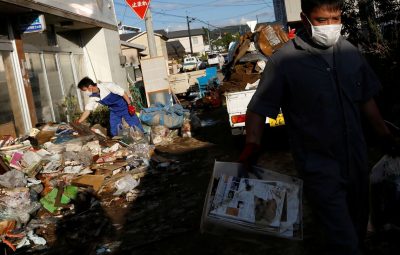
(139, 6)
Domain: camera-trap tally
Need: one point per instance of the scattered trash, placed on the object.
(94, 181)
(57, 198)
(125, 184)
(43, 182)
(13, 179)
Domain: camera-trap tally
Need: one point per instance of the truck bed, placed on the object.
(236, 104)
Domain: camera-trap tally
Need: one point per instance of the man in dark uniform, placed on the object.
(322, 84)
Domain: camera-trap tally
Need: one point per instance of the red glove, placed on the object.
(131, 110)
(249, 152)
(248, 158)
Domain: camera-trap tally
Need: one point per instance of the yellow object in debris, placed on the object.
(279, 121)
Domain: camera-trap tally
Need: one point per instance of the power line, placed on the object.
(217, 5)
(237, 15)
(185, 17)
(123, 16)
(188, 7)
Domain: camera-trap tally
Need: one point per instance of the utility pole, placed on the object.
(209, 39)
(150, 34)
(190, 36)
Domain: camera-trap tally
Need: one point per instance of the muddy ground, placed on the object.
(165, 216)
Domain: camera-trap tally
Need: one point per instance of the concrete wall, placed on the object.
(293, 9)
(132, 56)
(198, 47)
(102, 51)
(161, 46)
(67, 42)
(101, 10)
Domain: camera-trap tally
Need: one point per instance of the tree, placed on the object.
(374, 26)
(225, 39)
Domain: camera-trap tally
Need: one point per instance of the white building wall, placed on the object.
(101, 10)
(293, 10)
(287, 10)
(102, 50)
(198, 47)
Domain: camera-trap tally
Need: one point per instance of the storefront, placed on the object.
(39, 70)
(53, 74)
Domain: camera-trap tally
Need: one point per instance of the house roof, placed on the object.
(131, 36)
(185, 33)
(175, 49)
(133, 45)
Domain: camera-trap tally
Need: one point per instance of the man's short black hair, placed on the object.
(85, 82)
(307, 6)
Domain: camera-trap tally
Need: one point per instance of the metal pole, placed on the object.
(190, 36)
(150, 35)
(209, 39)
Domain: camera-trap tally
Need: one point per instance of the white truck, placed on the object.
(190, 64)
(215, 59)
(236, 104)
(182, 83)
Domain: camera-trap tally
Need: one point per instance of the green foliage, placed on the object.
(203, 57)
(374, 25)
(138, 95)
(100, 116)
(69, 108)
(225, 39)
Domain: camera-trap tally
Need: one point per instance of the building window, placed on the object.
(41, 94)
(71, 104)
(195, 40)
(53, 78)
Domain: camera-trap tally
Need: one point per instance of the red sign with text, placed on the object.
(139, 6)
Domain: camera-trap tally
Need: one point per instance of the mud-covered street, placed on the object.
(164, 212)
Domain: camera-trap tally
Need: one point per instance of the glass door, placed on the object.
(11, 118)
(56, 90)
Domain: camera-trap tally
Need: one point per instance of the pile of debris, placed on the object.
(249, 56)
(43, 174)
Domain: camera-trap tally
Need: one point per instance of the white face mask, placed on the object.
(325, 35)
(88, 92)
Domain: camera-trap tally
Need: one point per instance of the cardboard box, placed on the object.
(228, 227)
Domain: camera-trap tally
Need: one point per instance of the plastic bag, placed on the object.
(16, 204)
(131, 135)
(13, 179)
(386, 167)
(125, 184)
(385, 192)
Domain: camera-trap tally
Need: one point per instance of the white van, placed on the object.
(190, 64)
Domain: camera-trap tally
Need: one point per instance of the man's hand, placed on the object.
(248, 158)
(131, 110)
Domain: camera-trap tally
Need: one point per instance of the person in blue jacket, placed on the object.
(113, 96)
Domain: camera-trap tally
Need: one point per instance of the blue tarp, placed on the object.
(168, 116)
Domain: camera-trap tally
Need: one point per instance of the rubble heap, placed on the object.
(250, 55)
(43, 176)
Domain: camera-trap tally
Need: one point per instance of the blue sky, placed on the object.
(170, 14)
